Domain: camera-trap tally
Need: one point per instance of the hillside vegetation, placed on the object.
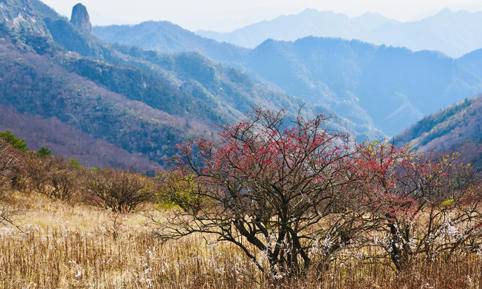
(66, 141)
(455, 129)
(63, 246)
(127, 168)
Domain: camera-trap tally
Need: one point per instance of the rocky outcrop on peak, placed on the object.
(80, 18)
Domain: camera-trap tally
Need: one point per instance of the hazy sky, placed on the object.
(225, 15)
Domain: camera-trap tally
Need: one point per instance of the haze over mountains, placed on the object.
(386, 88)
(168, 38)
(454, 33)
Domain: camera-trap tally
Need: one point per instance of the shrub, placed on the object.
(14, 141)
(6, 160)
(75, 164)
(426, 208)
(119, 191)
(44, 152)
(63, 183)
(52, 177)
(294, 197)
(175, 189)
(10, 166)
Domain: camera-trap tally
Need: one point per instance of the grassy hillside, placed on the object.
(65, 246)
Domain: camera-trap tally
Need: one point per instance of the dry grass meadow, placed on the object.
(78, 246)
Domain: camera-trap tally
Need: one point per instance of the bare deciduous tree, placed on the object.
(8, 164)
(52, 177)
(119, 191)
(428, 208)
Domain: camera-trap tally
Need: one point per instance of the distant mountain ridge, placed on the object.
(309, 22)
(168, 38)
(454, 33)
(457, 128)
(141, 103)
(390, 87)
(385, 88)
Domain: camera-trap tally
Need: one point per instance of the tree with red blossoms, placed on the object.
(427, 208)
(282, 191)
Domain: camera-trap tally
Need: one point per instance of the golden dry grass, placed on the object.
(66, 246)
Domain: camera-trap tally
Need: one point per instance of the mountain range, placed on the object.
(129, 94)
(454, 33)
(124, 101)
(382, 87)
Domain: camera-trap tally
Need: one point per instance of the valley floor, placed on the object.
(76, 246)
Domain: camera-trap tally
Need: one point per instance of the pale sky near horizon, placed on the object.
(227, 15)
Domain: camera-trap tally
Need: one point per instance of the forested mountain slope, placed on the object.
(386, 88)
(457, 128)
(139, 101)
(71, 143)
(392, 87)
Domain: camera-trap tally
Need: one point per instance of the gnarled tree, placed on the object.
(282, 191)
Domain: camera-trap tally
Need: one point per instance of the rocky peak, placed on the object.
(80, 18)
